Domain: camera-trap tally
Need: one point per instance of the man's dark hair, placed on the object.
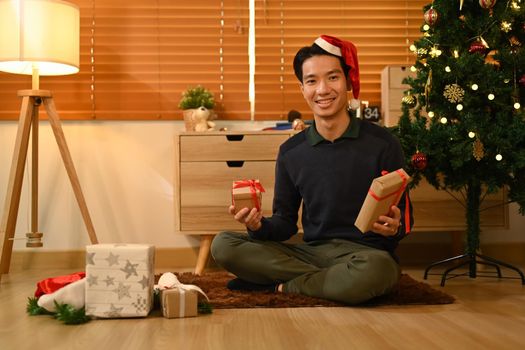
(310, 51)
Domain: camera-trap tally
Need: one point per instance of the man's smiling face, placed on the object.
(324, 86)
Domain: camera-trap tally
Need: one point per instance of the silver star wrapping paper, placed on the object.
(119, 280)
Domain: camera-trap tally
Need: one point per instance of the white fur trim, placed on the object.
(355, 104)
(325, 45)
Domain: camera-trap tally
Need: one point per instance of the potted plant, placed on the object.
(192, 99)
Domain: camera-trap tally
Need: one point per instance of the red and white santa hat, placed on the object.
(348, 52)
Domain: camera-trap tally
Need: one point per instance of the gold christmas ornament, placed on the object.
(454, 93)
(428, 87)
(489, 59)
(478, 150)
(514, 41)
(409, 100)
(435, 52)
(506, 26)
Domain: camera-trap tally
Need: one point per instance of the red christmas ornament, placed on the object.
(431, 17)
(487, 4)
(477, 46)
(419, 160)
(522, 80)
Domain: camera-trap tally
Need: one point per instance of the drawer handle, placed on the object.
(235, 163)
(234, 137)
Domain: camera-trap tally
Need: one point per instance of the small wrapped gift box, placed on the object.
(119, 280)
(384, 192)
(178, 303)
(247, 194)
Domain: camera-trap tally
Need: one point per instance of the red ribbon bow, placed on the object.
(396, 195)
(254, 185)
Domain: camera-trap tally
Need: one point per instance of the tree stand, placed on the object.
(472, 257)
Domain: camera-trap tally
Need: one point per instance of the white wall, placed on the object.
(126, 170)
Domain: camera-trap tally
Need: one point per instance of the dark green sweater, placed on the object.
(332, 181)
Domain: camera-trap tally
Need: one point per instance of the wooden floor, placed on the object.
(489, 314)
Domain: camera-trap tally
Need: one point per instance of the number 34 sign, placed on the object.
(371, 113)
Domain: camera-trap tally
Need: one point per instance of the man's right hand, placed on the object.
(250, 218)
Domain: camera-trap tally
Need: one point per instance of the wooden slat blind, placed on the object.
(382, 30)
(145, 54)
(137, 56)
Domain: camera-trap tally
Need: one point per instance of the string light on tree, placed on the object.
(447, 69)
(426, 27)
(443, 120)
(456, 54)
(491, 97)
(471, 134)
(413, 48)
(459, 107)
(413, 69)
(474, 87)
(499, 157)
(517, 105)
(431, 114)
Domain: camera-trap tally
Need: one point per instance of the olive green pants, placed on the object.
(334, 269)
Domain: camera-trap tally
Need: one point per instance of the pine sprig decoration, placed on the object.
(65, 312)
(203, 307)
(33, 309)
(69, 315)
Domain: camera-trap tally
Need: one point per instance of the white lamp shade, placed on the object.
(42, 34)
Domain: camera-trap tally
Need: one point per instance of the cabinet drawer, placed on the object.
(230, 147)
(206, 193)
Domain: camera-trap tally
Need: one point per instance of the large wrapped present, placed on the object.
(384, 192)
(247, 194)
(119, 280)
(177, 299)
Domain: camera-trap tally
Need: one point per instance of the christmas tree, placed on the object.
(463, 123)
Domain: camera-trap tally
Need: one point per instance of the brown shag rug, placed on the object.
(407, 292)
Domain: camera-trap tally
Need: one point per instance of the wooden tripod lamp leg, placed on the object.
(14, 187)
(54, 120)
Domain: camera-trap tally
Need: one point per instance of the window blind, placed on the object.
(138, 56)
(381, 30)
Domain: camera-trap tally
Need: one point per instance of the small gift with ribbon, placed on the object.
(384, 192)
(177, 299)
(247, 194)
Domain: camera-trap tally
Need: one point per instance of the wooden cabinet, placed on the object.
(208, 163)
(392, 91)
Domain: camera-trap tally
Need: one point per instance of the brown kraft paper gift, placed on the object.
(384, 192)
(247, 194)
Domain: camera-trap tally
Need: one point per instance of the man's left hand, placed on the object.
(387, 225)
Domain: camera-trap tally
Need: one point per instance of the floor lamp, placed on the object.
(37, 37)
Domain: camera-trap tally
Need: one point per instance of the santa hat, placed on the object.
(348, 52)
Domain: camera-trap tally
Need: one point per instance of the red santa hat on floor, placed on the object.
(348, 52)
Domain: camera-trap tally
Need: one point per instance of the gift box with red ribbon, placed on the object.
(384, 192)
(247, 194)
